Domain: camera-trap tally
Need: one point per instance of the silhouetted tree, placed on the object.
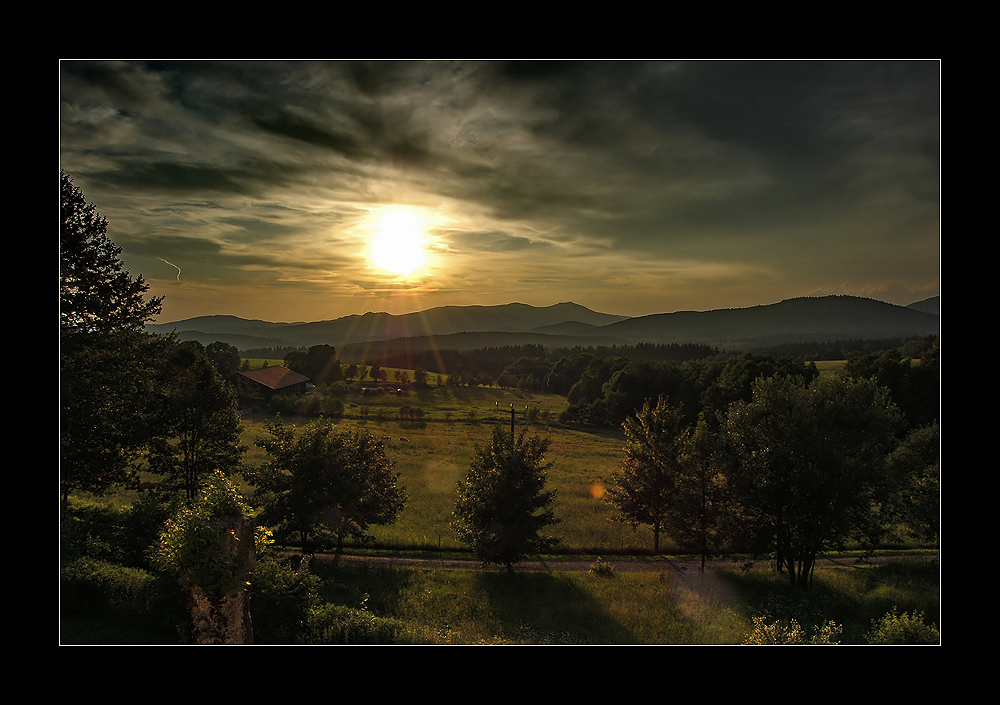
(195, 427)
(503, 507)
(810, 464)
(105, 354)
(325, 480)
(644, 489)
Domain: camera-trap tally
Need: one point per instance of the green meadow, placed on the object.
(433, 453)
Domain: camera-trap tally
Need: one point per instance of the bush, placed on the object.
(790, 632)
(112, 534)
(89, 583)
(282, 597)
(905, 628)
(336, 624)
(602, 569)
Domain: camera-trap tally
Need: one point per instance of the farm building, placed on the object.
(276, 380)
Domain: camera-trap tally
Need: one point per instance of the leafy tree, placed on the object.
(105, 354)
(197, 429)
(705, 519)
(325, 480)
(225, 357)
(916, 463)
(644, 489)
(810, 464)
(913, 383)
(503, 507)
(319, 363)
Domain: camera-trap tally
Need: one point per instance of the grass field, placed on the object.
(433, 454)
(561, 607)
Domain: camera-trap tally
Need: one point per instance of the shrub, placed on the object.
(905, 628)
(602, 569)
(282, 597)
(790, 632)
(337, 624)
(90, 584)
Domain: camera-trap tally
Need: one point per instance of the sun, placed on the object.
(398, 242)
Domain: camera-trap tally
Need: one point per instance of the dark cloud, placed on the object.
(724, 165)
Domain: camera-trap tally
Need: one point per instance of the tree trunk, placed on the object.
(224, 618)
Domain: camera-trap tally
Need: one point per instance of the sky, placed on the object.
(309, 190)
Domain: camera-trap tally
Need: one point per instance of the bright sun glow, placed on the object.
(398, 242)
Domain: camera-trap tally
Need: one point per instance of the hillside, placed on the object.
(806, 319)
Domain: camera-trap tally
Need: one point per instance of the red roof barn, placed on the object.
(277, 380)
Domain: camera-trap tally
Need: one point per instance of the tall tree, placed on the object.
(105, 354)
(705, 519)
(195, 425)
(810, 464)
(319, 363)
(503, 507)
(644, 489)
(325, 481)
(96, 292)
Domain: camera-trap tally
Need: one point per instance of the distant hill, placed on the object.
(373, 327)
(931, 305)
(567, 324)
(792, 320)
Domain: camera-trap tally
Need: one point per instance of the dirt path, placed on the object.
(631, 564)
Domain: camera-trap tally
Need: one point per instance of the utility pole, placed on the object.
(512, 412)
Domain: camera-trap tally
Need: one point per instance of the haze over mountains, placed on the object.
(806, 319)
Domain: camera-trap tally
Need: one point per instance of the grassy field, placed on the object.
(665, 607)
(433, 454)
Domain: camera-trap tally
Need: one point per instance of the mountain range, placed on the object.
(804, 319)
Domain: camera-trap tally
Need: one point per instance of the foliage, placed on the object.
(195, 544)
(905, 628)
(225, 357)
(325, 479)
(104, 352)
(644, 489)
(810, 462)
(91, 583)
(609, 389)
(197, 429)
(602, 569)
(917, 464)
(336, 624)
(283, 597)
(502, 506)
(911, 373)
(319, 363)
(118, 535)
(791, 633)
(706, 518)
(96, 293)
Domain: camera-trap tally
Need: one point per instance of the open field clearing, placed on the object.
(434, 453)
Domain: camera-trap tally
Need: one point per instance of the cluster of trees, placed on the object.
(131, 401)
(124, 393)
(529, 366)
(797, 468)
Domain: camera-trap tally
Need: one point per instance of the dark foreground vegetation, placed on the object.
(185, 521)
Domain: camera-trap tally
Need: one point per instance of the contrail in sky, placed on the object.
(172, 265)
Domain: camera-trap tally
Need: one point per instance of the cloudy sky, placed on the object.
(309, 190)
